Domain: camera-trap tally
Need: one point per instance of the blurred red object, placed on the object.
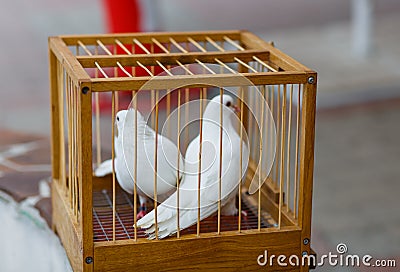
(127, 16)
(122, 16)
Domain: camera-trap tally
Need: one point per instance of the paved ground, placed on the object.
(357, 179)
(357, 149)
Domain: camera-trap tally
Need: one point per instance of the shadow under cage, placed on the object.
(177, 74)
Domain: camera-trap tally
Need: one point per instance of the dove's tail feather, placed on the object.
(104, 168)
(164, 212)
(188, 217)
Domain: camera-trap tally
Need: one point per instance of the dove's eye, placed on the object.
(228, 104)
(117, 118)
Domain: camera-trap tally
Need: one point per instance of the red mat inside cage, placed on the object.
(103, 223)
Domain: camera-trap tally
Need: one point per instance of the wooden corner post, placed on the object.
(307, 161)
(85, 175)
(54, 113)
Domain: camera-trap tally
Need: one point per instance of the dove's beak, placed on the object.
(235, 108)
(116, 130)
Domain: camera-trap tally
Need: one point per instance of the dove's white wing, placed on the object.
(210, 171)
(209, 195)
(167, 209)
(104, 169)
(125, 161)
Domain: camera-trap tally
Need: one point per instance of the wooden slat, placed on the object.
(67, 230)
(252, 41)
(241, 130)
(61, 115)
(307, 159)
(170, 58)
(199, 172)
(147, 37)
(168, 82)
(228, 252)
(85, 174)
(69, 61)
(55, 112)
(113, 162)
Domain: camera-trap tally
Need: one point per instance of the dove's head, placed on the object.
(120, 120)
(124, 115)
(212, 112)
(213, 108)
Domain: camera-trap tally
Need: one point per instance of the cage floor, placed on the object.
(103, 223)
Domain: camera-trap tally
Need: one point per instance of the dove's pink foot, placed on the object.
(142, 212)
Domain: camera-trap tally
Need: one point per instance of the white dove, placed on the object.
(124, 146)
(209, 189)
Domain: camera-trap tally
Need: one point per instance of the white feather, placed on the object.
(124, 146)
(209, 187)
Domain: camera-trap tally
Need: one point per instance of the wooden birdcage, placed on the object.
(94, 217)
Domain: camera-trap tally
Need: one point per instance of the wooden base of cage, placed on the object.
(229, 251)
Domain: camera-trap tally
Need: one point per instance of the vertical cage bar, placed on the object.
(278, 133)
(98, 134)
(268, 130)
(221, 92)
(70, 144)
(97, 115)
(113, 162)
(69, 117)
(204, 97)
(72, 148)
(79, 148)
(260, 155)
(187, 116)
(288, 149)
(153, 98)
(75, 147)
(250, 95)
(156, 164)
(168, 112)
(199, 166)
(272, 102)
(178, 141)
(281, 157)
(296, 167)
(56, 91)
(61, 112)
(241, 161)
(135, 165)
(257, 133)
(76, 194)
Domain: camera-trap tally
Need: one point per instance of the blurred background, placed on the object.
(353, 45)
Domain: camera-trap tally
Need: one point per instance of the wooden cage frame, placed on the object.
(227, 251)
